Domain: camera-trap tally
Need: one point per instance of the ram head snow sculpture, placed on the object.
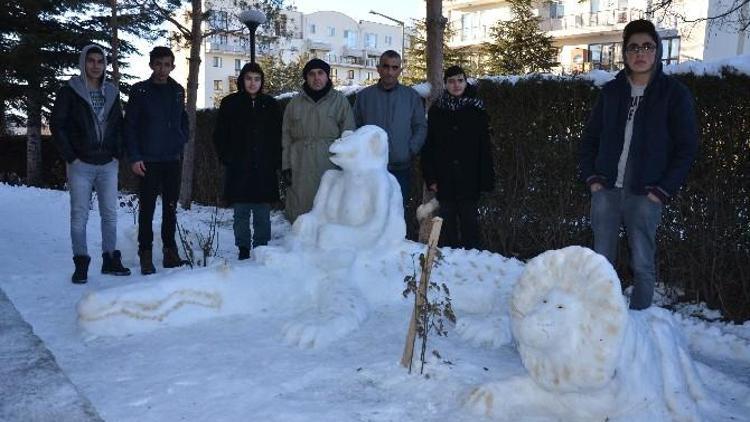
(587, 356)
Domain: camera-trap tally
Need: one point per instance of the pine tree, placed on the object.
(519, 46)
(40, 44)
(282, 77)
(469, 58)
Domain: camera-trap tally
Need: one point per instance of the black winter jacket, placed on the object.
(457, 153)
(152, 132)
(74, 132)
(664, 141)
(247, 137)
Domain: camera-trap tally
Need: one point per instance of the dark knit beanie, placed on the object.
(453, 71)
(316, 64)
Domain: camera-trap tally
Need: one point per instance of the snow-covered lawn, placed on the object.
(244, 364)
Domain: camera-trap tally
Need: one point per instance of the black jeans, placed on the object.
(164, 178)
(459, 213)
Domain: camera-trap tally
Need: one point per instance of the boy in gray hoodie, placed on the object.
(86, 126)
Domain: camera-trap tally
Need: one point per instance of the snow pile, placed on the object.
(587, 356)
(738, 64)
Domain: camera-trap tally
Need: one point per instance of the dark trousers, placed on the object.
(403, 177)
(161, 178)
(459, 216)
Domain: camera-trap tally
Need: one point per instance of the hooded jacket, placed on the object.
(153, 131)
(78, 131)
(664, 142)
(247, 137)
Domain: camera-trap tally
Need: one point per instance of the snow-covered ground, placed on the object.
(230, 363)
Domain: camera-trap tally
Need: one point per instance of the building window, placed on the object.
(350, 74)
(670, 50)
(331, 31)
(237, 64)
(607, 56)
(595, 7)
(556, 10)
(388, 40)
(470, 23)
(334, 72)
(217, 61)
(312, 28)
(371, 40)
(222, 38)
(351, 39)
(217, 85)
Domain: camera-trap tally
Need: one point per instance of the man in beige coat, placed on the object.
(312, 121)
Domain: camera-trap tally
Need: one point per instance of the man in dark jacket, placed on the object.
(457, 159)
(247, 136)
(86, 125)
(156, 130)
(638, 146)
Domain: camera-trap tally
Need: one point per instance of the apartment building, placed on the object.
(351, 47)
(588, 33)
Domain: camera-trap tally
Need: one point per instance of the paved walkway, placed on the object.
(33, 388)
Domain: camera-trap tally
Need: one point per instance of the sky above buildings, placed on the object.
(403, 10)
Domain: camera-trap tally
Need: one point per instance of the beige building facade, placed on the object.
(351, 47)
(588, 34)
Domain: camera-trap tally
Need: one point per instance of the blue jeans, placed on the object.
(261, 234)
(83, 178)
(610, 209)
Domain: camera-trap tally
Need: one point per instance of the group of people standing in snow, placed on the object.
(638, 145)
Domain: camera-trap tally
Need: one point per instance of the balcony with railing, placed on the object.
(613, 20)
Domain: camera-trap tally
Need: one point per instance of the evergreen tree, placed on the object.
(519, 46)
(415, 72)
(282, 77)
(40, 44)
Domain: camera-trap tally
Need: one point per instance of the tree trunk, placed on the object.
(188, 163)
(34, 133)
(115, 43)
(435, 28)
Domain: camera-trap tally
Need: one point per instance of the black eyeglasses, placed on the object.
(646, 48)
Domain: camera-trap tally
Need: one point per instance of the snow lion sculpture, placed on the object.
(588, 357)
(359, 206)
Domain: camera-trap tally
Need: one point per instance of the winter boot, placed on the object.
(147, 263)
(81, 273)
(244, 253)
(112, 264)
(172, 258)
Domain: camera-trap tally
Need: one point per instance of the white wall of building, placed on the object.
(352, 48)
(591, 30)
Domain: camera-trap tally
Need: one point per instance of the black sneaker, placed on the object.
(81, 274)
(244, 253)
(112, 264)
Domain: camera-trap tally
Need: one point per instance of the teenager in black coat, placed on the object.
(247, 137)
(457, 159)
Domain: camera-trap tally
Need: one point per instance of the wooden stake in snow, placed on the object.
(424, 279)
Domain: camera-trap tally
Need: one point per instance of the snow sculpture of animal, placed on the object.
(587, 356)
(359, 206)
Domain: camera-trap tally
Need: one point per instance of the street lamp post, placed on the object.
(252, 19)
(403, 31)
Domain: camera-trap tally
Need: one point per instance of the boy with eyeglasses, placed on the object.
(637, 148)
